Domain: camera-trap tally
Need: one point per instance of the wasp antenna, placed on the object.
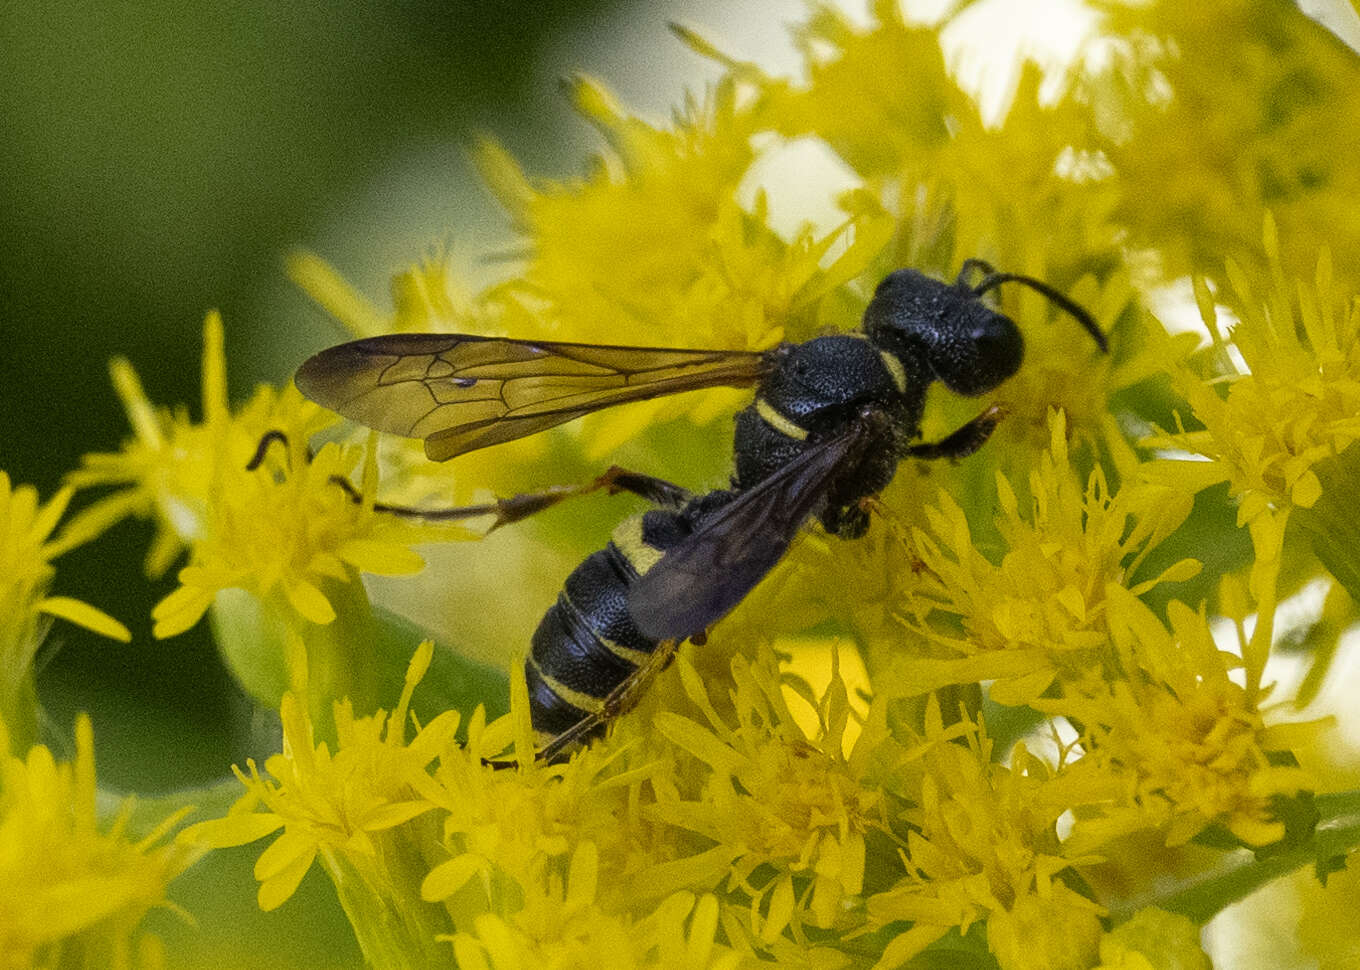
(971, 265)
(1076, 310)
(267, 439)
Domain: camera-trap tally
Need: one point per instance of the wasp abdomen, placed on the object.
(587, 644)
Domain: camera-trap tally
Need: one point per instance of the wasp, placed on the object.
(831, 419)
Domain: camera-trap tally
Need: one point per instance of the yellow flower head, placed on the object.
(1222, 112)
(345, 807)
(1190, 744)
(1040, 614)
(510, 836)
(287, 539)
(284, 531)
(1296, 402)
(654, 248)
(782, 815)
(1153, 939)
(165, 471)
(677, 935)
(76, 889)
(26, 574)
(982, 844)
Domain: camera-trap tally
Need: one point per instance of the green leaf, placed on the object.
(453, 682)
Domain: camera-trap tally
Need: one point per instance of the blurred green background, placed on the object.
(160, 158)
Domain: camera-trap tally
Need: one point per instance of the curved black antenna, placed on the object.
(992, 279)
(1076, 310)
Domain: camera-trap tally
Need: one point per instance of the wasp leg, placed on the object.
(525, 504)
(616, 479)
(620, 701)
(964, 441)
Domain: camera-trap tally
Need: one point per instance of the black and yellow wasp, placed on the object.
(831, 419)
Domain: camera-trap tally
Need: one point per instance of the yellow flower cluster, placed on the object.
(1048, 683)
(276, 534)
(981, 844)
(1296, 400)
(76, 886)
(1041, 613)
(26, 574)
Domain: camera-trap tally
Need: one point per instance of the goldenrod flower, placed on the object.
(275, 548)
(982, 844)
(347, 808)
(1190, 744)
(1041, 614)
(26, 609)
(1212, 114)
(1296, 402)
(287, 539)
(1153, 939)
(75, 888)
(655, 243)
(782, 817)
(165, 471)
(680, 934)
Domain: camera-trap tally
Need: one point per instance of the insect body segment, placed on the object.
(831, 420)
(589, 656)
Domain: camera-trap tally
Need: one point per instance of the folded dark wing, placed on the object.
(703, 577)
(462, 392)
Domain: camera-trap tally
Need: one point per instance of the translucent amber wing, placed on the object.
(462, 392)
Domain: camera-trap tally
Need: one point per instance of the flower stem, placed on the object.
(1243, 872)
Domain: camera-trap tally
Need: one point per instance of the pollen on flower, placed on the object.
(76, 888)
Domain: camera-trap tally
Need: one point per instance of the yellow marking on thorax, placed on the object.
(775, 420)
(895, 368)
(578, 700)
(628, 538)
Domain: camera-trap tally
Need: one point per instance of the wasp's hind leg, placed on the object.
(963, 441)
(658, 491)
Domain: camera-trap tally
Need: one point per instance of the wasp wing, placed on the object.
(706, 574)
(461, 392)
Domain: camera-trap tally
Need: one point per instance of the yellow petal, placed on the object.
(83, 614)
(309, 601)
(380, 558)
(276, 890)
(392, 815)
(450, 876)
(234, 830)
(283, 853)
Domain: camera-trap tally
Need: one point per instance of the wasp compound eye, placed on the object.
(989, 350)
